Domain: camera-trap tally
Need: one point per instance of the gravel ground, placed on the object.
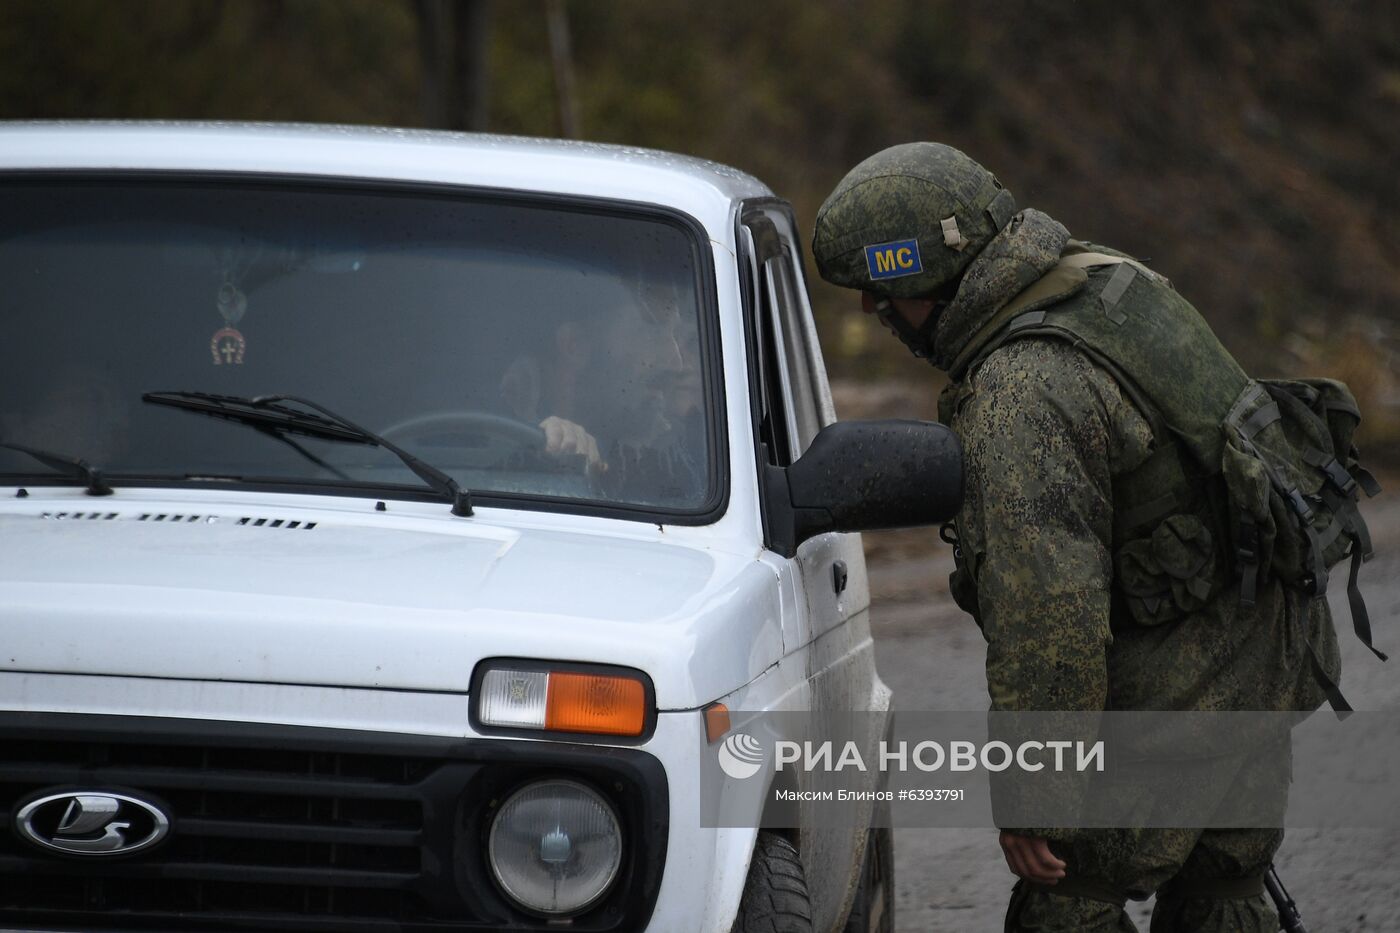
(933, 656)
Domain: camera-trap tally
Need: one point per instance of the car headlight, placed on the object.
(555, 847)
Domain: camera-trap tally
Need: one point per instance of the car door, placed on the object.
(795, 402)
(845, 698)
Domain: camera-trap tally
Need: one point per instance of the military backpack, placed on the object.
(1269, 465)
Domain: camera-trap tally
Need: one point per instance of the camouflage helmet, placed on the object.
(908, 220)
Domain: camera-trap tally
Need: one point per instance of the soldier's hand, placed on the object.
(562, 436)
(1029, 857)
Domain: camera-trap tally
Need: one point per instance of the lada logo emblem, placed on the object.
(89, 822)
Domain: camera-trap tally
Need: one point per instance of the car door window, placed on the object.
(795, 397)
(794, 363)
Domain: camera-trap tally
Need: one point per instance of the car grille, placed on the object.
(275, 828)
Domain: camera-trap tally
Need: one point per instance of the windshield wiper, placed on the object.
(264, 413)
(96, 485)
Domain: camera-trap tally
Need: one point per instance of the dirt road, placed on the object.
(933, 657)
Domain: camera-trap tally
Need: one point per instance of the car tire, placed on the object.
(775, 895)
(872, 911)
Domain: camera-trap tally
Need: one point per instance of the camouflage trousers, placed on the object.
(1197, 875)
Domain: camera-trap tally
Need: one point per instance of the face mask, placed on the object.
(919, 339)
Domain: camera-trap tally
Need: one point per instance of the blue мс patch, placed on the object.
(891, 260)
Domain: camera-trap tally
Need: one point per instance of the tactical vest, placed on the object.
(1261, 476)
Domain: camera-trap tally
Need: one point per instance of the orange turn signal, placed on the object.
(716, 722)
(596, 703)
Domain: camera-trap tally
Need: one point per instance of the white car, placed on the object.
(393, 524)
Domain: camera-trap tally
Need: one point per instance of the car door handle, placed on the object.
(839, 576)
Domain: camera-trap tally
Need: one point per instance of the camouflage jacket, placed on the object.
(1056, 454)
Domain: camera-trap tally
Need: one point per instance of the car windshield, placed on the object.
(532, 350)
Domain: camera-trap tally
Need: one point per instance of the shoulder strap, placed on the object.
(1154, 342)
(1061, 282)
(1087, 260)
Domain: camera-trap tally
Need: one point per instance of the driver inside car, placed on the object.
(620, 390)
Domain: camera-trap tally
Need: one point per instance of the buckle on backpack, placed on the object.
(1341, 480)
(1299, 504)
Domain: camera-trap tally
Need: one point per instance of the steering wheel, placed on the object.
(487, 437)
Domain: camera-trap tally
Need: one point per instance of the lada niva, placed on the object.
(391, 523)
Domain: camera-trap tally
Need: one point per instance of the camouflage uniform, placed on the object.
(1056, 454)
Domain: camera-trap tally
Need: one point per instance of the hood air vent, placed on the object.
(173, 517)
(275, 523)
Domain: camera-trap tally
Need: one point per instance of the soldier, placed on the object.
(1088, 550)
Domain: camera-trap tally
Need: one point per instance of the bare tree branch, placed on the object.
(434, 52)
(561, 56)
(454, 48)
(472, 47)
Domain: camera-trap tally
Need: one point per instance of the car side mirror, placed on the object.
(863, 476)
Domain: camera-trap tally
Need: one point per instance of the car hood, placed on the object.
(369, 600)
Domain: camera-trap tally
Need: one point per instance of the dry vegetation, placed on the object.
(1247, 149)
